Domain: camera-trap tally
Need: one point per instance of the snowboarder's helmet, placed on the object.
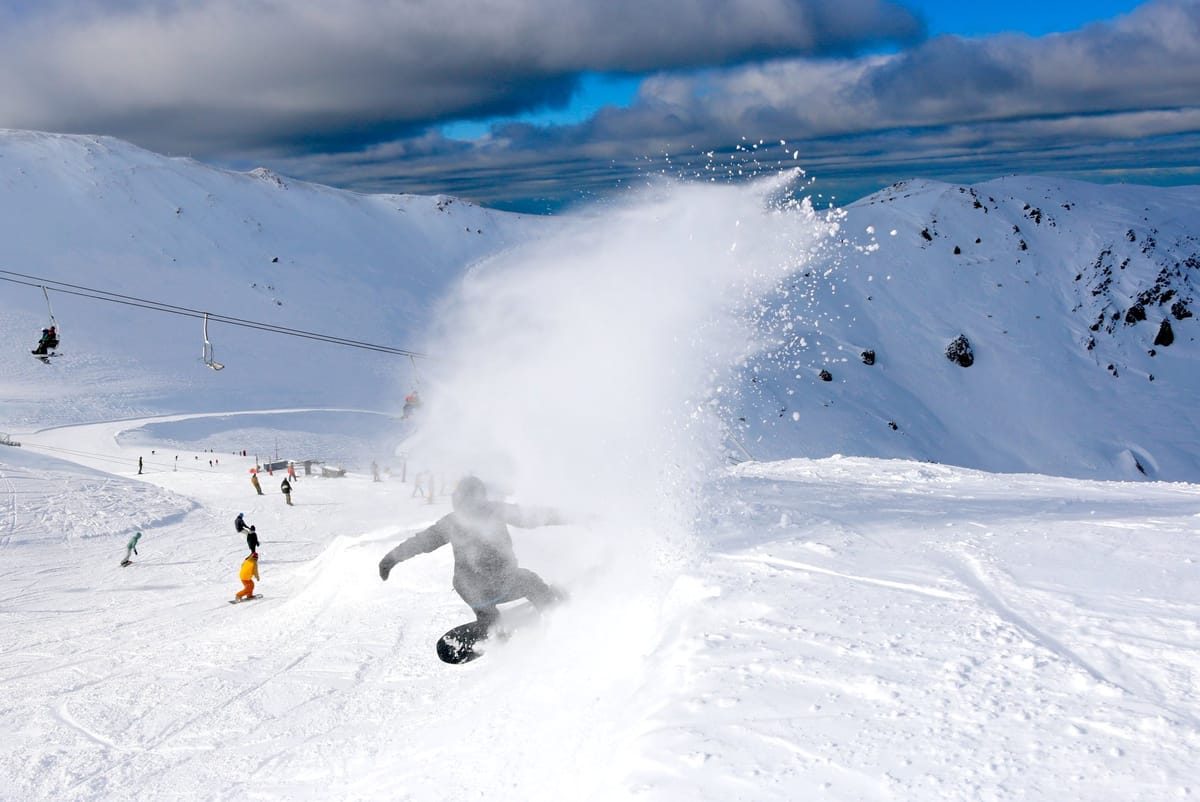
(469, 493)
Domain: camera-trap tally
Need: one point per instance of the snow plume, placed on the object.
(586, 367)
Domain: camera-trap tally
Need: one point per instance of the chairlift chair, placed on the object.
(51, 345)
(208, 356)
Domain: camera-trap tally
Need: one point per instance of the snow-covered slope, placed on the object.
(99, 213)
(1077, 302)
(849, 628)
(843, 629)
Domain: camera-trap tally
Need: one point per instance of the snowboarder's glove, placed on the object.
(385, 567)
(135, 551)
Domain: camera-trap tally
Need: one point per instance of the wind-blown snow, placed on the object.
(841, 627)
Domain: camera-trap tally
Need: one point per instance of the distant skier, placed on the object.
(131, 546)
(254, 481)
(248, 573)
(286, 487)
(139, 466)
(292, 471)
(485, 567)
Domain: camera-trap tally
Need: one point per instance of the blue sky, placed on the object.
(544, 103)
(961, 17)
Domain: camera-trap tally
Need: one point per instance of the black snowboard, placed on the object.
(245, 598)
(458, 645)
(465, 642)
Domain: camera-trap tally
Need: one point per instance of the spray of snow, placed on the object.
(587, 366)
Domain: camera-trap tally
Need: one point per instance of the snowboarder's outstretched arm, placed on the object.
(529, 517)
(421, 543)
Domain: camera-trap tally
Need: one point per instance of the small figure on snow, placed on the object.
(286, 487)
(131, 546)
(248, 573)
(254, 481)
(486, 572)
(292, 471)
(139, 466)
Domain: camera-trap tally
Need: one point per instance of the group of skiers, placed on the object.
(285, 486)
(249, 570)
(486, 570)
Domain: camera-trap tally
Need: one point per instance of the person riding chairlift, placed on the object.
(48, 342)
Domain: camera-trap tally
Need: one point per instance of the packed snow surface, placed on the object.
(836, 629)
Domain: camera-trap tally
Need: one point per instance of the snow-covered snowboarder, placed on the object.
(485, 566)
(286, 488)
(248, 573)
(131, 546)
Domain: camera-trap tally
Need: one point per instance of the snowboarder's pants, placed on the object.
(288, 496)
(521, 584)
(248, 590)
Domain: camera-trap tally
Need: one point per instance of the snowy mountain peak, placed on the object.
(1076, 300)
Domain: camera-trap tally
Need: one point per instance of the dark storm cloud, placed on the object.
(1122, 96)
(210, 76)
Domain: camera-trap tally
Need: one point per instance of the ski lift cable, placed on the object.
(159, 306)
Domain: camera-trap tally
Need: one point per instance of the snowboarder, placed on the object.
(139, 466)
(131, 546)
(248, 573)
(485, 567)
(254, 481)
(286, 487)
(252, 539)
(291, 471)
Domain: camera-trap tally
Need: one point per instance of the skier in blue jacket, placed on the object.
(131, 546)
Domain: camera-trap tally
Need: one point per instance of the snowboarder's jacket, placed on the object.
(239, 523)
(133, 541)
(477, 531)
(249, 568)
